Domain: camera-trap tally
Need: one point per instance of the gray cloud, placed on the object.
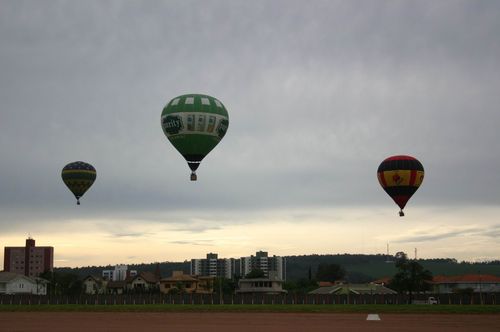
(134, 234)
(490, 232)
(318, 95)
(204, 243)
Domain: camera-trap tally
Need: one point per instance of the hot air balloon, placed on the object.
(78, 177)
(400, 177)
(194, 124)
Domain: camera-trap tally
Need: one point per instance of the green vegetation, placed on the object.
(411, 276)
(255, 274)
(300, 287)
(403, 309)
(61, 283)
(330, 272)
(365, 268)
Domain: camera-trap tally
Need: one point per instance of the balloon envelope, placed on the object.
(194, 124)
(78, 177)
(400, 177)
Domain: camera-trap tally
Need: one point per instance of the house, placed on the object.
(344, 289)
(116, 287)
(269, 285)
(205, 285)
(477, 283)
(94, 285)
(382, 281)
(13, 283)
(180, 282)
(143, 282)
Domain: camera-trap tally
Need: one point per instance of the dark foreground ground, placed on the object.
(243, 322)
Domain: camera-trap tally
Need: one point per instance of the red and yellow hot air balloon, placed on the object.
(400, 177)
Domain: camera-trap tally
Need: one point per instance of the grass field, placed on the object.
(417, 309)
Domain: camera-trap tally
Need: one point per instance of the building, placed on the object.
(116, 287)
(119, 273)
(357, 289)
(261, 261)
(121, 281)
(212, 266)
(477, 283)
(271, 285)
(29, 260)
(180, 282)
(143, 282)
(13, 283)
(94, 285)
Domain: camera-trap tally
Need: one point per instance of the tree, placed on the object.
(411, 277)
(227, 286)
(330, 272)
(63, 283)
(301, 286)
(256, 273)
(400, 257)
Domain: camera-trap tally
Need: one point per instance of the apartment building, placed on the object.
(229, 268)
(212, 266)
(262, 261)
(29, 260)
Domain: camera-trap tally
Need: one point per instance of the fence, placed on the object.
(256, 299)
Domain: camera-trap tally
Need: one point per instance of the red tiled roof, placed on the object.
(148, 277)
(116, 284)
(472, 278)
(184, 277)
(384, 281)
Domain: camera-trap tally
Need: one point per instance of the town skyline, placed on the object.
(414, 253)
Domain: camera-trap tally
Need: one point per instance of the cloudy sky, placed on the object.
(318, 94)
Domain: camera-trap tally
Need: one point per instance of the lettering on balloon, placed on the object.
(172, 124)
(222, 128)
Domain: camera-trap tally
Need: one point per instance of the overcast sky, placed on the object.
(318, 94)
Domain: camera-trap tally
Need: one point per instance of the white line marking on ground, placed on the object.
(372, 317)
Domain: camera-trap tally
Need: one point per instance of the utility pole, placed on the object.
(220, 289)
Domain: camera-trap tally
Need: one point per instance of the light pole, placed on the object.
(480, 290)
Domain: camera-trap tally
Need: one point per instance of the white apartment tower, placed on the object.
(261, 261)
(213, 266)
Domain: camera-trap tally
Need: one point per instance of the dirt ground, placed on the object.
(242, 322)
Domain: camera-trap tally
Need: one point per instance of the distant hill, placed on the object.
(360, 268)
(364, 268)
(166, 268)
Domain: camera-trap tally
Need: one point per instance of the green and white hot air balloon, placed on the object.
(194, 124)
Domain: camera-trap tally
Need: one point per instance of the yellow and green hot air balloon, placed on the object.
(78, 177)
(194, 124)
